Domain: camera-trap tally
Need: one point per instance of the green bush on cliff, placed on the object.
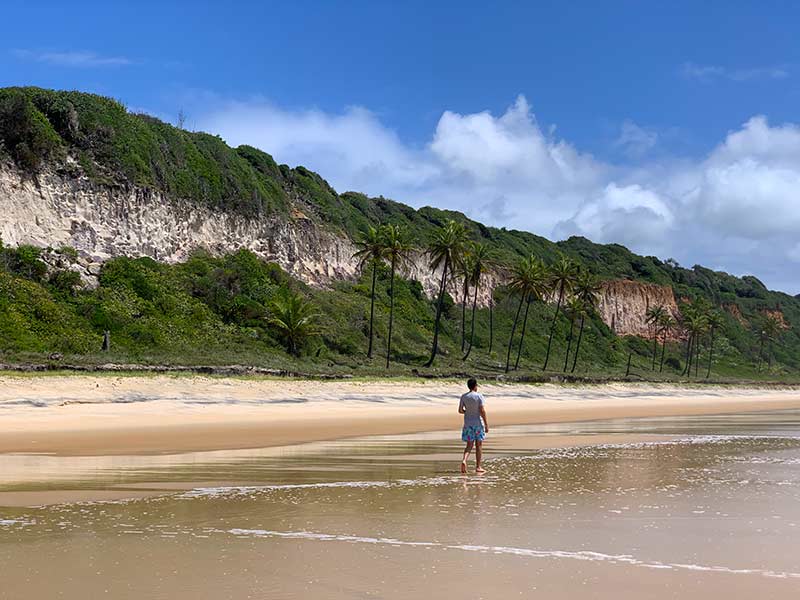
(25, 132)
(115, 146)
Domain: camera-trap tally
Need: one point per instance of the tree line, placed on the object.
(697, 323)
(566, 284)
(451, 252)
(564, 287)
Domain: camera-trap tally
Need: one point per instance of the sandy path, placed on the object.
(98, 415)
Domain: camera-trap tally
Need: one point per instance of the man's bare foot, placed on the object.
(480, 470)
(464, 467)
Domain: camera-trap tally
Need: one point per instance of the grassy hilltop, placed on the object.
(224, 310)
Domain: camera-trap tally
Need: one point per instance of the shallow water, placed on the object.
(647, 508)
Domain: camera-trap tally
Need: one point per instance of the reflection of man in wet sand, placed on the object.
(474, 430)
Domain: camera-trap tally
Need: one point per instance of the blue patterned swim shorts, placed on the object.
(473, 433)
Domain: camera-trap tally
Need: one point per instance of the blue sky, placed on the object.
(664, 126)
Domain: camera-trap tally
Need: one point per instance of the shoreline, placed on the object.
(413, 374)
(91, 415)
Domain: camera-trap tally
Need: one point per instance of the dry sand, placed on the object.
(101, 415)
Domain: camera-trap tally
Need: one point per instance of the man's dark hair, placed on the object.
(472, 382)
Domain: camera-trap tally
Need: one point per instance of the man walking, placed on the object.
(475, 427)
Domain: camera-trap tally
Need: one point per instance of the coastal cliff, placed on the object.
(624, 304)
(104, 190)
(103, 222)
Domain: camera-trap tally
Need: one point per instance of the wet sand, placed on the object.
(110, 415)
(657, 508)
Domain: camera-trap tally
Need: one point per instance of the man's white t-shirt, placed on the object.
(472, 403)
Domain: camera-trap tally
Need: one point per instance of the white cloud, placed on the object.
(631, 213)
(707, 73)
(81, 59)
(635, 141)
(353, 148)
(736, 208)
(503, 168)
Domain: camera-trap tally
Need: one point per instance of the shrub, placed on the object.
(65, 281)
(25, 131)
(24, 261)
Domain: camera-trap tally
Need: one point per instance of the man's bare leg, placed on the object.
(478, 457)
(467, 450)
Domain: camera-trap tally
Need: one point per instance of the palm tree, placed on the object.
(562, 278)
(295, 319)
(686, 315)
(465, 272)
(538, 289)
(702, 308)
(587, 289)
(397, 250)
(480, 259)
(714, 322)
(370, 252)
(653, 316)
(575, 308)
(687, 331)
(770, 328)
(666, 324)
(694, 323)
(528, 278)
(445, 250)
(503, 271)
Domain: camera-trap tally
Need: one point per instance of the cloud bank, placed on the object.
(736, 209)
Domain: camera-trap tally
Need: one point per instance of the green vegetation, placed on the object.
(240, 309)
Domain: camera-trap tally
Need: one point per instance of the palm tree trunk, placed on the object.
(688, 366)
(578, 344)
(710, 353)
(522, 337)
(663, 352)
(439, 305)
(464, 313)
(697, 356)
(761, 354)
(513, 331)
(569, 342)
(553, 327)
(372, 308)
(491, 321)
(391, 314)
(472, 325)
(655, 349)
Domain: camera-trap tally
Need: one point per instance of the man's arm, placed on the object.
(485, 422)
(461, 408)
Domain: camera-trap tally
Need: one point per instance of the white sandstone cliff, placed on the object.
(101, 222)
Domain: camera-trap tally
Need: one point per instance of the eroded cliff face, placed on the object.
(103, 222)
(623, 305)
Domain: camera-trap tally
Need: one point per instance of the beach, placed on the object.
(198, 487)
(121, 415)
